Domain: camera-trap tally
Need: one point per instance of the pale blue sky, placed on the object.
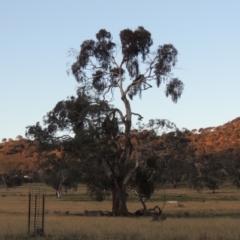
(36, 35)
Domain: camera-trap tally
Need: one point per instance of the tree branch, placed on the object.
(140, 117)
(120, 113)
(106, 168)
(130, 173)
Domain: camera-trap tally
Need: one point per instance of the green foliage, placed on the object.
(212, 173)
(19, 137)
(58, 170)
(231, 164)
(99, 56)
(146, 177)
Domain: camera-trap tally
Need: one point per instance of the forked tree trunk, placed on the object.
(119, 201)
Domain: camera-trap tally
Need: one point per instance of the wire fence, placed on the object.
(36, 210)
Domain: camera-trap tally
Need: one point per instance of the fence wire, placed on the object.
(36, 209)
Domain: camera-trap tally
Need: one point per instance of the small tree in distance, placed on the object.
(56, 170)
(99, 74)
(19, 137)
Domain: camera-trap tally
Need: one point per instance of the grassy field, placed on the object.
(195, 216)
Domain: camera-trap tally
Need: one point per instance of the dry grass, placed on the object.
(73, 227)
(14, 203)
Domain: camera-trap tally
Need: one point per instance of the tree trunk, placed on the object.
(4, 183)
(142, 199)
(119, 201)
(58, 193)
(174, 184)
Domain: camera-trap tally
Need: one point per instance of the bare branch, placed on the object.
(132, 84)
(120, 113)
(113, 61)
(140, 117)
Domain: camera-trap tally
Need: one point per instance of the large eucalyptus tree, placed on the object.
(130, 67)
(101, 133)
